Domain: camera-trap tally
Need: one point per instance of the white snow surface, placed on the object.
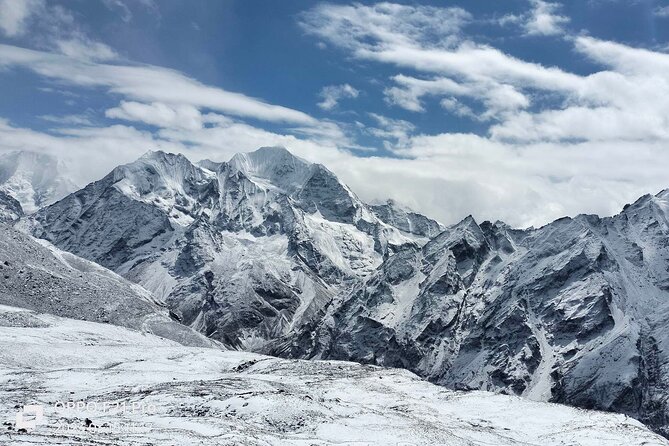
(199, 396)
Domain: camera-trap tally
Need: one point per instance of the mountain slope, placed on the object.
(45, 279)
(183, 395)
(34, 179)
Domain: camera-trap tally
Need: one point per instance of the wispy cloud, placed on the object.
(661, 11)
(14, 15)
(332, 94)
(146, 83)
(554, 142)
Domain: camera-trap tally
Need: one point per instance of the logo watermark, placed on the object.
(29, 417)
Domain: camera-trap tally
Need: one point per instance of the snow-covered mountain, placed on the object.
(245, 251)
(138, 389)
(34, 179)
(268, 252)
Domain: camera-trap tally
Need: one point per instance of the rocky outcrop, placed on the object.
(10, 209)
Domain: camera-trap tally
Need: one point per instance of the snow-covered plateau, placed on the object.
(99, 384)
(270, 254)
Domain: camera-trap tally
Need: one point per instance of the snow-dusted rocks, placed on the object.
(406, 220)
(34, 179)
(10, 209)
(141, 389)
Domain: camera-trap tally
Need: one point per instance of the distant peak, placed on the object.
(273, 149)
(274, 155)
(274, 165)
(468, 221)
(159, 155)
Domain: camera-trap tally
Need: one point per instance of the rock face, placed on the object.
(407, 221)
(33, 179)
(245, 251)
(270, 253)
(10, 209)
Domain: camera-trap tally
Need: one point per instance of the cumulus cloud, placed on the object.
(332, 94)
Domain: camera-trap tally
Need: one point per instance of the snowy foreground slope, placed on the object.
(176, 395)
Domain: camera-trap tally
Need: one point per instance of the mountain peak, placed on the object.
(273, 167)
(165, 157)
(267, 155)
(35, 179)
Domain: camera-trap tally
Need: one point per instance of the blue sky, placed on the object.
(520, 110)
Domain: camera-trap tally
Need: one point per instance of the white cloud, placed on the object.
(14, 15)
(544, 19)
(409, 90)
(395, 133)
(559, 143)
(332, 94)
(146, 83)
(158, 114)
(120, 7)
(51, 27)
(80, 119)
(376, 25)
(83, 48)
(431, 41)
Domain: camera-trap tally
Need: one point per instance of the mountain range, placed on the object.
(272, 254)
